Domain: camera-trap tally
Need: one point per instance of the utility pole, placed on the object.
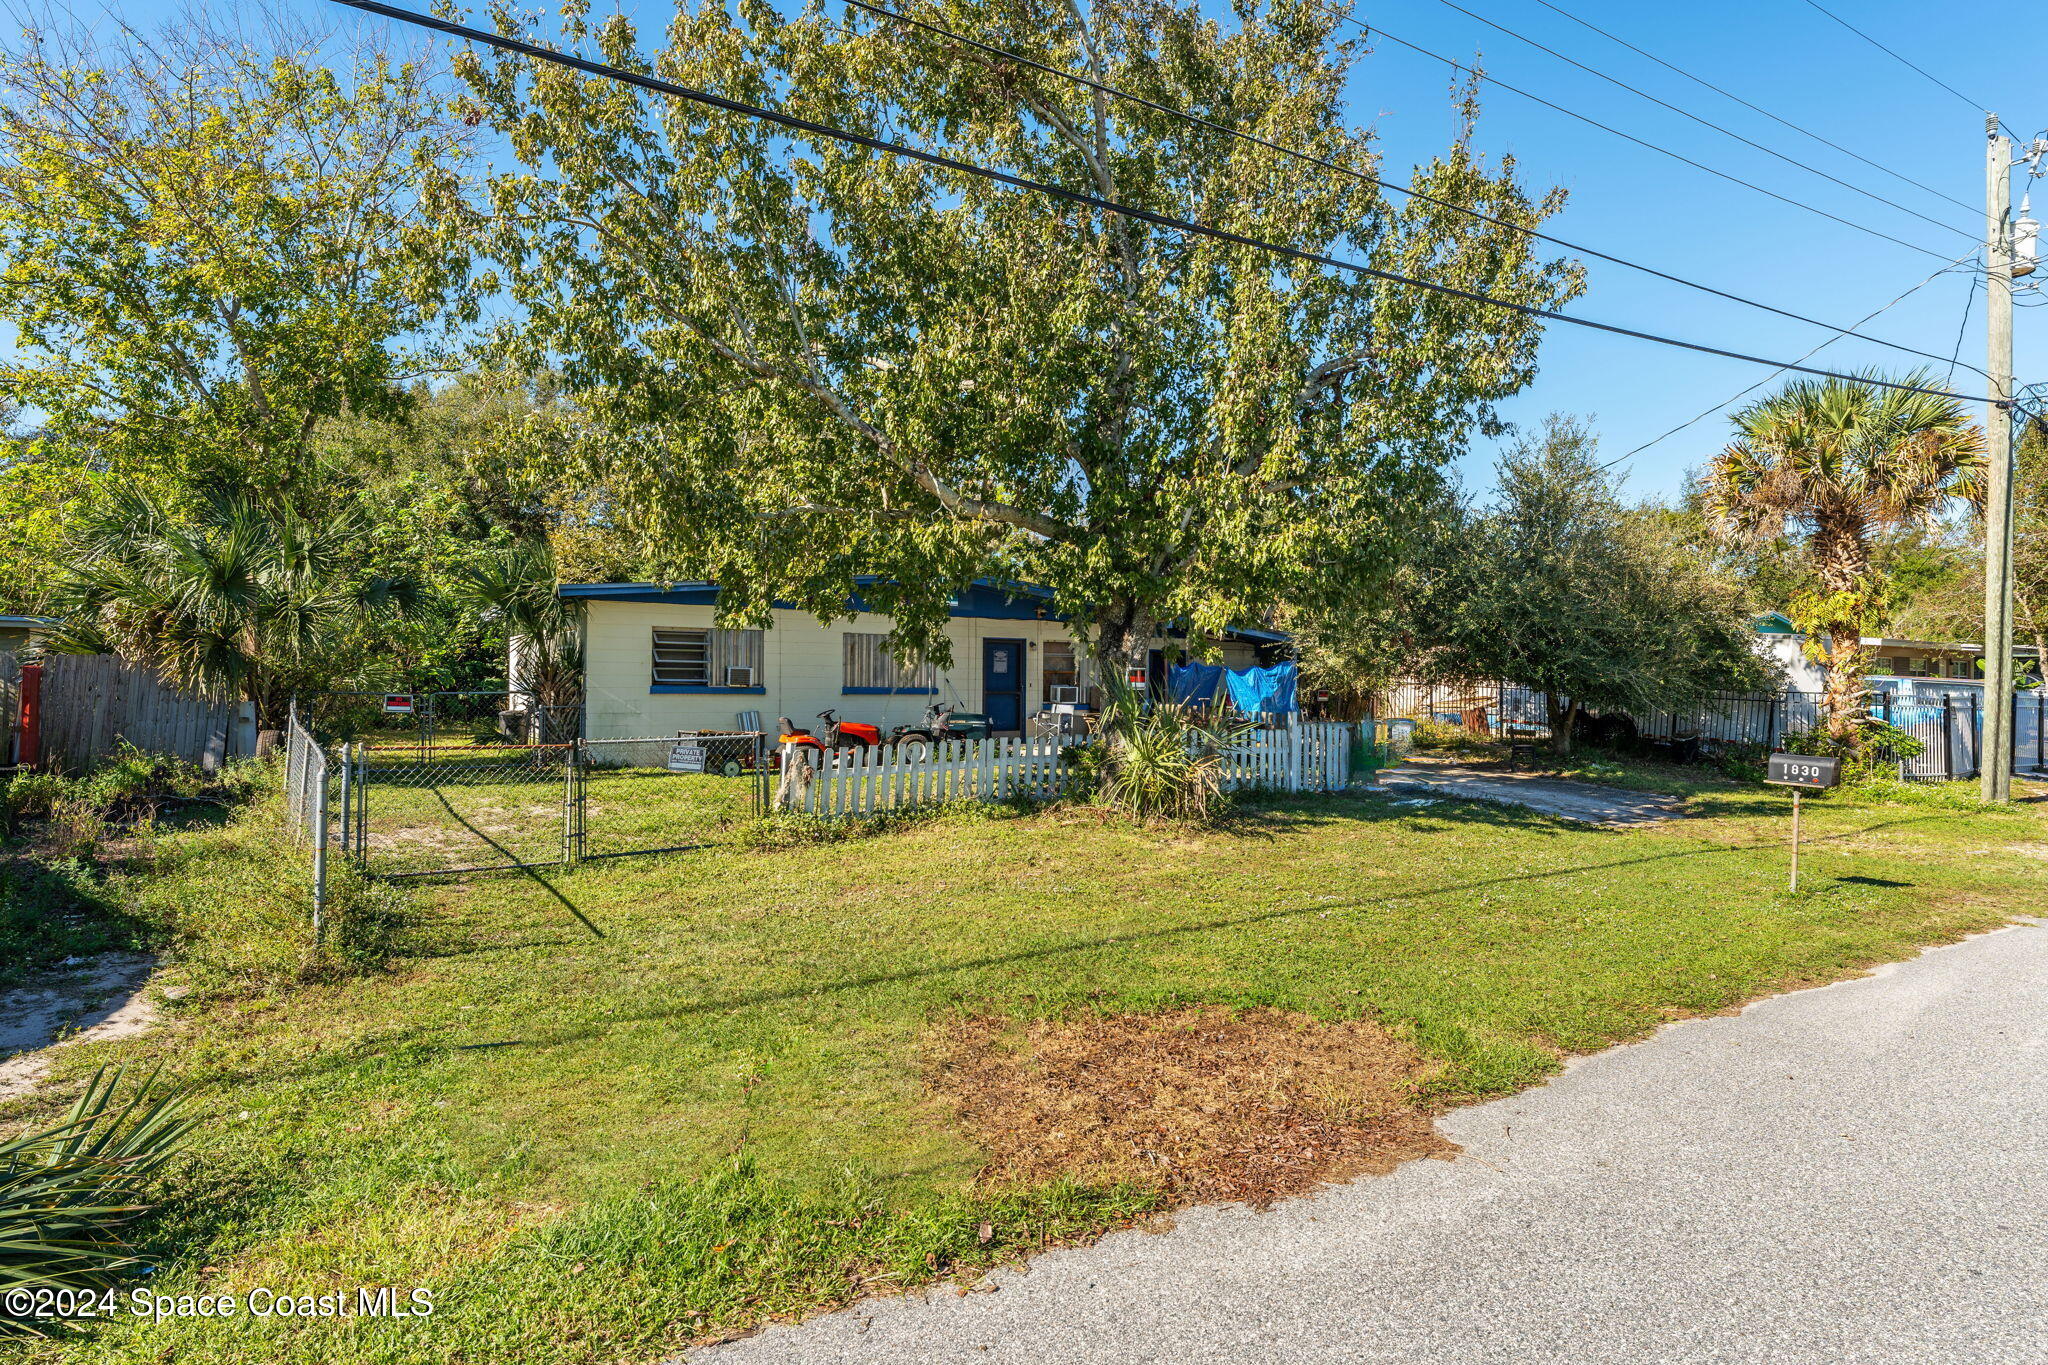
(1996, 777)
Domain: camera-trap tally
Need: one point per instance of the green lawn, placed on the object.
(608, 1112)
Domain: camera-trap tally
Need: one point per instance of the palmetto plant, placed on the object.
(1162, 761)
(516, 585)
(67, 1193)
(1842, 461)
(236, 597)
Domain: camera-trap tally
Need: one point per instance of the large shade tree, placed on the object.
(1839, 463)
(806, 361)
(213, 243)
(2030, 541)
(1560, 587)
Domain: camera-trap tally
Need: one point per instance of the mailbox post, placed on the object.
(1802, 773)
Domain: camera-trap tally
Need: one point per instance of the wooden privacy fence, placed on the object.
(92, 702)
(1312, 757)
(10, 707)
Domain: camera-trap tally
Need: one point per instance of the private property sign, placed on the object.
(1803, 770)
(686, 758)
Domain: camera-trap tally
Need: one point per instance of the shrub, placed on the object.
(1443, 737)
(1872, 753)
(1743, 762)
(234, 904)
(68, 1193)
(1162, 761)
(33, 795)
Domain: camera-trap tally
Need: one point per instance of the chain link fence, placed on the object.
(306, 794)
(668, 793)
(436, 797)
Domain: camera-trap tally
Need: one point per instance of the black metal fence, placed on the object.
(1950, 728)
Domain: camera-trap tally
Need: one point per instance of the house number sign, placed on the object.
(1802, 773)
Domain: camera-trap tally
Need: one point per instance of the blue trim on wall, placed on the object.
(683, 688)
(888, 691)
(985, 600)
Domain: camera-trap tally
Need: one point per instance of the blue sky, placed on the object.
(1636, 203)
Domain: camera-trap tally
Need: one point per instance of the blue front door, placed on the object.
(1002, 684)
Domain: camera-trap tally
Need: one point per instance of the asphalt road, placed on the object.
(1857, 1173)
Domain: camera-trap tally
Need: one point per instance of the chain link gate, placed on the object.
(450, 795)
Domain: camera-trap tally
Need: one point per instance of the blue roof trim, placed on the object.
(985, 600)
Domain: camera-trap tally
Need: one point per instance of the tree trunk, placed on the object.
(1841, 564)
(1123, 643)
(1564, 718)
(1844, 702)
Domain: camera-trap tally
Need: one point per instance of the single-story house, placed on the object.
(655, 662)
(1905, 667)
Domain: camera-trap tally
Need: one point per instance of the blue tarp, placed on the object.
(1267, 690)
(1193, 684)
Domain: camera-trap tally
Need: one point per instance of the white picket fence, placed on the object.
(1313, 757)
(859, 781)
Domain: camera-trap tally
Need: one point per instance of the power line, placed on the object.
(1902, 61)
(1705, 122)
(1326, 164)
(1641, 142)
(665, 87)
(1775, 118)
(1969, 302)
(1701, 417)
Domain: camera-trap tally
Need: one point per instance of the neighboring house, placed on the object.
(654, 663)
(1906, 668)
(18, 633)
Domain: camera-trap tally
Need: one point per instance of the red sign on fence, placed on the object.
(398, 703)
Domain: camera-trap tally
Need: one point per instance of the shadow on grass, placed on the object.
(515, 864)
(751, 999)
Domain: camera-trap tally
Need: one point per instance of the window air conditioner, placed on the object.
(739, 677)
(1063, 696)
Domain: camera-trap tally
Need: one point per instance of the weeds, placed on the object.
(795, 830)
(53, 911)
(1442, 737)
(234, 905)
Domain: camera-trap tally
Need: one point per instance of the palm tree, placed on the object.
(1841, 461)
(516, 585)
(234, 598)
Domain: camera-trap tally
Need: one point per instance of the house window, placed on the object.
(1962, 668)
(707, 658)
(870, 668)
(1060, 667)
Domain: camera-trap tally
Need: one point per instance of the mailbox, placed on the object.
(1804, 770)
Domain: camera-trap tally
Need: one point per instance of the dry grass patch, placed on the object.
(1208, 1103)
